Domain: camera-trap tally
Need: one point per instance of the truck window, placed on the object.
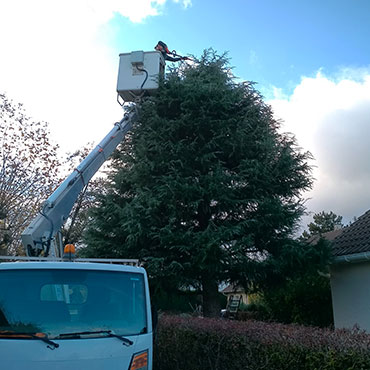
(68, 300)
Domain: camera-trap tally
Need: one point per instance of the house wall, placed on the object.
(244, 298)
(350, 286)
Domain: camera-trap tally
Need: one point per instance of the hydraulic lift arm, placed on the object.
(132, 84)
(39, 235)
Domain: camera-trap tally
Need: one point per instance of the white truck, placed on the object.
(87, 314)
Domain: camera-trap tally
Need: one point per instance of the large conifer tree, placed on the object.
(207, 189)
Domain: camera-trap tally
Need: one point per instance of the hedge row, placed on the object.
(212, 344)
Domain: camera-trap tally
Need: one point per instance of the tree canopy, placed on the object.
(28, 171)
(322, 223)
(207, 189)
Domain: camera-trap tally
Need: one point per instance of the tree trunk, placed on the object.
(211, 302)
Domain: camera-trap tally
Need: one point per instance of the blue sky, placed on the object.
(270, 42)
(309, 58)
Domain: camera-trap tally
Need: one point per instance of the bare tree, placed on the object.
(28, 171)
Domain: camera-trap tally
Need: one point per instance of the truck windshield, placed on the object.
(67, 300)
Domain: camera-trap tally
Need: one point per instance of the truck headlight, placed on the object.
(139, 361)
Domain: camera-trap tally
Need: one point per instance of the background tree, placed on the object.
(28, 171)
(322, 223)
(208, 190)
(304, 296)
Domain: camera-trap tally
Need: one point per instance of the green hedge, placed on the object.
(210, 344)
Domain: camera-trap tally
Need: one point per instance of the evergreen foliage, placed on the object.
(305, 296)
(206, 189)
(324, 222)
(305, 300)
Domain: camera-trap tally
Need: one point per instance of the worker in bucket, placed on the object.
(162, 47)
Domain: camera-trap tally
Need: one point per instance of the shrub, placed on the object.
(305, 300)
(254, 311)
(177, 301)
(212, 344)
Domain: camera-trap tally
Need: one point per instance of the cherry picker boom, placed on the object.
(40, 235)
(132, 84)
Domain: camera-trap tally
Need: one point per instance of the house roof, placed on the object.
(330, 236)
(354, 238)
(233, 289)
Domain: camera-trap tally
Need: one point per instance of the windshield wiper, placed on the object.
(40, 336)
(109, 333)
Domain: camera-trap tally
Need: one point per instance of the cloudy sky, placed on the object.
(309, 58)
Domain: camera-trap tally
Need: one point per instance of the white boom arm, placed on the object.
(41, 231)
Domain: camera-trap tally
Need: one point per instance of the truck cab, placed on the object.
(74, 315)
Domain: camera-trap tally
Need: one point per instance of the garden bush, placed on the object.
(177, 301)
(305, 300)
(185, 343)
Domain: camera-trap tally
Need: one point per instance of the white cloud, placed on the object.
(54, 58)
(185, 3)
(331, 118)
(136, 10)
